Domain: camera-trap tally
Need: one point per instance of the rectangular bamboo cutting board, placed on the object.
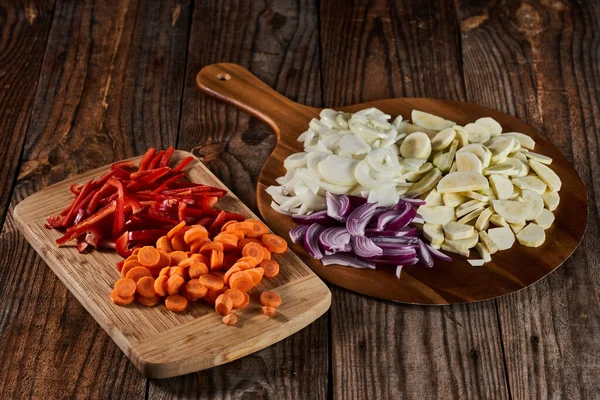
(161, 343)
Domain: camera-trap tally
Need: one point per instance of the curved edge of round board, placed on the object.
(152, 338)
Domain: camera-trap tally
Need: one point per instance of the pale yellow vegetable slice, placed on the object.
(471, 216)
(416, 145)
(468, 210)
(462, 252)
(498, 221)
(446, 162)
(413, 164)
(513, 211)
(468, 204)
(462, 182)
(516, 228)
(461, 135)
(426, 183)
(477, 133)
(453, 167)
(478, 150)
(433, 233)
(539, 157)
(483, 220)
(434, 199)
(500, 150)
(499, 169)
(489, 243)
(468, 162)
(463, 244)
(502, 186)
(415, 176)
(545, 219)
(493, 127)
(525, 140)
(443, 139)
(437, 215)
(551, 200)
(519, 155)
(537, 201)
(456, 231)
(489, 192)
(530, 182)
(519, 169)
(503, 238)
(438, 158)
(453, 199)
(406, 127)
(483, 252)
(547, 175)
(476, 196)
(430, 121)
(476, 262)
(532, 235)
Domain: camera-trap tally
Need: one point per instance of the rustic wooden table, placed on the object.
(85, 83)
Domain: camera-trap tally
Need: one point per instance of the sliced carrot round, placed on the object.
(148, 256)
(197, 244)
(164, 243)
(178, 243)
(121, 301)
(160, 285)
(176, 303)
(125, 287)
(237, 297)
(230, 319)
(270, 299)
(245, 241)
(223, 304)
(175, 229)
(216, 260)
(241, 265)
(212, 295)
(253, 250)
(208, 247)
(229, 241)
(138, 272)
(177, 271)
(253, 262)
(268, 311)
(197, 270)
(174, 284)
(266, 254)
(245, 227)
(211, 281)
(228, 274)
(148, 301)
(241, 280)
(128, 266)
(165, 259)
(274, 243)
(199, 258)
(135, 252)
(195, 233)
(145, 287)
(257, 274)
(246, 301)
(258, 228)
(177, 257)
(165, 271)
(226, 224)
(195, 289)
(271, 268)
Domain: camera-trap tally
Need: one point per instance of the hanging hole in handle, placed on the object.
(223, 76)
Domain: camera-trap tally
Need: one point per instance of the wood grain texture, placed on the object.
(91, 68)
(279, 42)
(152, 337)
(24, 29)
(546, 53)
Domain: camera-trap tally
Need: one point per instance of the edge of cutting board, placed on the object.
(200, 332)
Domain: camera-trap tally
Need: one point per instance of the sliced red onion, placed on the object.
(410, 260)
(364, 247)
(438, 254)
(319, 217)
(408, 231)
(348, 260)
(311, 240)
(297, 233)
(359, 218)
(400, 251)
(417, 202)
(335, 239)
(424, 255)
(418, 220)
(386, 217)
(398, 271)
(356, 201)
(406, 217)
(395, 240)
(338, 206)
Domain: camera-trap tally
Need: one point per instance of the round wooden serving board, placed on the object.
(445, 283)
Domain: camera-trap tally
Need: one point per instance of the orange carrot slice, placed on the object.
(175, 229)
(268, 311)
(237, 297)
(212, 295)
(216, 260)
(148, 302)
(258, 228)
(244, 242)
(229, 241)
(253, 250)
(223, 304)
(257, 274)
(164, 243)
(246, 301)
(270, 299)
(138, 272)
(228, 274)
(177, 271)
(195, 233)
(274, 243)
(195, 290)
(174, 284)
(241, 265)
(160, 285)
(253, 262)
(178, 243)
(177, 257)
(245, 227)
(266, 254)
(197, 270)
(176, 303)
(230, 319)
(237, 233)
(226, 224)
(145, 287)
(165, 259)
(208, 247)
(128, 266)
(271, 268)
(241, 280)
(121, 301)
(211, 281)
(197, 244)
(125, 287)
(148, 256)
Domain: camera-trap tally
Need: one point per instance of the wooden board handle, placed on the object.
(234, 84)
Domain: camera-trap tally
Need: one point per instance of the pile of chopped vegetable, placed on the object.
(129, 207)
(190, 263)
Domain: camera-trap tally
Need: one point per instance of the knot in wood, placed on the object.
(208, 152)
(529, 19)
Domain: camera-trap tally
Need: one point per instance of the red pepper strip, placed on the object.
(103, 179)
(84, 225)
(230, 216)
(119, 220)
(121, 173)
(100, 194)
(164, 162)
(146, 159)
(76, 188)
(54, 221)
(163, 214)
(154, 163)
(195, 189)
(166, 183)
(123, 164)
(182, 185)
(182, 164)
(122, 245)
(150, 178)
(120, 265)
(103, 202)
(218, 223)
(68, 221)
(181, 211)
(208, 203)
(193, 212)
(147, 235)
(93, 236)
(80, 214)
(206, 221)
(81, 244)
(158, 219)
(136, 206)
(136, 175)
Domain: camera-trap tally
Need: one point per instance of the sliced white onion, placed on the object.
(354, 144)
(338, 170)
(295, 160)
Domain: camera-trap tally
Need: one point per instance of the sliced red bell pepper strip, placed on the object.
(182, 164)
(76, 188)
(81, 244)
(68, 220)
(104, 191)
(120, 173)
(231, 216)
(164, 162)
(163, 214)
(154, 163)
(181, 211)
(93, 236)
(150, 178)
(119, 219)
(122, 245)
(120, 265)
(158, 219)
(206, 222)
(166, 183)
(147, 159)
(193, 212)
(208, 203)
(54, 221)
(147, 235)
(84, 225)
(215, 228)
(123, 164)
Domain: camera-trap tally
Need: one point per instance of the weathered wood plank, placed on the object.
(110, 86)
(278, 42)
(381, 349)
(25, 26)
(539, 63)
